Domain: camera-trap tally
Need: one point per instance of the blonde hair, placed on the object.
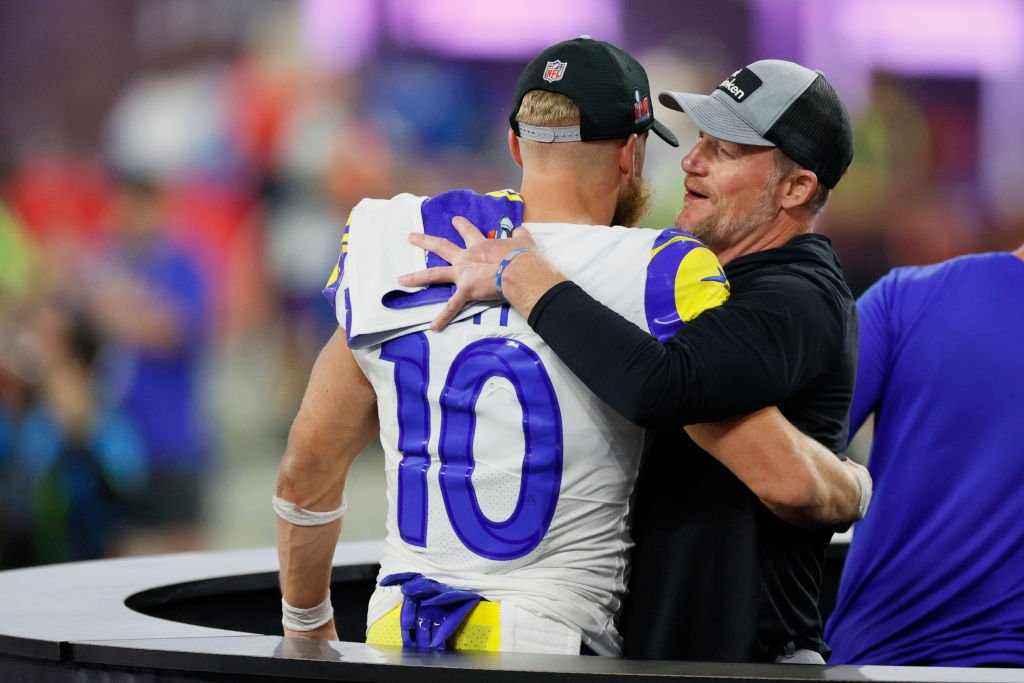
(584, 159)
(543, 108)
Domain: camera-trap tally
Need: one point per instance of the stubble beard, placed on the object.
(720, 233)
(633, 204)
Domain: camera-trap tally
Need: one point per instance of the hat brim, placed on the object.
(664, 133)
(714, 117)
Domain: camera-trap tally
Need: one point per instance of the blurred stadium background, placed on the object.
(174, 175)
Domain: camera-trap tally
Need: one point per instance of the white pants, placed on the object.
(523, 631)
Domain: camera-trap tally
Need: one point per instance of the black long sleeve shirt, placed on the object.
(715, 575)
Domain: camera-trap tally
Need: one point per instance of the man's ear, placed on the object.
(513, 148)
(798, 188)
(627, 160)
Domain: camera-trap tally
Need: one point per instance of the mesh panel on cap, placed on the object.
(815, 132)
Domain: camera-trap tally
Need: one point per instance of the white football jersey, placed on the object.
(505, 475)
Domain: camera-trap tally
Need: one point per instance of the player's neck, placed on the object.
(554, 202)
(1019, 252)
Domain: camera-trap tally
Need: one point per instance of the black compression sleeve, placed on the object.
(618, 361)
(744, 355)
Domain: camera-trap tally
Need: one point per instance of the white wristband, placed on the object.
(310, 619)
(866, 490)
(293, 514)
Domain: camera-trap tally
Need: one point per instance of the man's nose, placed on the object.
(691, 162)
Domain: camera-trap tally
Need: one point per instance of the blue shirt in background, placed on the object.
(935, 572)
(161, 391)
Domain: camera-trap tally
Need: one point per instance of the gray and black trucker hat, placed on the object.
(775, 103)
(608, 86)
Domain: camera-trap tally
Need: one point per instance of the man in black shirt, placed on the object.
(715, 575)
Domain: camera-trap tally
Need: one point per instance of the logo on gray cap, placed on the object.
(740, 84)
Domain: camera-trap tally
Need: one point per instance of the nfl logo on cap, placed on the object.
(554, 71)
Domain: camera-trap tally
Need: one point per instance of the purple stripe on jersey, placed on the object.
(348, 316)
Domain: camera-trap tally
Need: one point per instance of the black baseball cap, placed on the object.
(609, 87)
(775, 103)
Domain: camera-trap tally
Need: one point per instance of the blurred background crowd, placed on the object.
(174, 175)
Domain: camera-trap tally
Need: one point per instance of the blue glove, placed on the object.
(431, 611)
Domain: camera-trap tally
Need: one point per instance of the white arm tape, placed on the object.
(297, 619)
(293, 514)
(866, 490)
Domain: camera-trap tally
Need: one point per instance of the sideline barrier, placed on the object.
(206, 617)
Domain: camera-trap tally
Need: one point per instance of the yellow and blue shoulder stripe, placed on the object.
(331, 288)
(684, 279)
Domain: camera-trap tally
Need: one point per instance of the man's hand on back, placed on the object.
(473, 268)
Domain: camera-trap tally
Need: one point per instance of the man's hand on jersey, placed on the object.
(472, 269)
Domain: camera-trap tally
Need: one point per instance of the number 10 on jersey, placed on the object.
(468, 373)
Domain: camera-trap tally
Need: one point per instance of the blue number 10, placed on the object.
(542, 435)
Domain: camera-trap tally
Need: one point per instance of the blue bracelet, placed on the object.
(503, 265)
